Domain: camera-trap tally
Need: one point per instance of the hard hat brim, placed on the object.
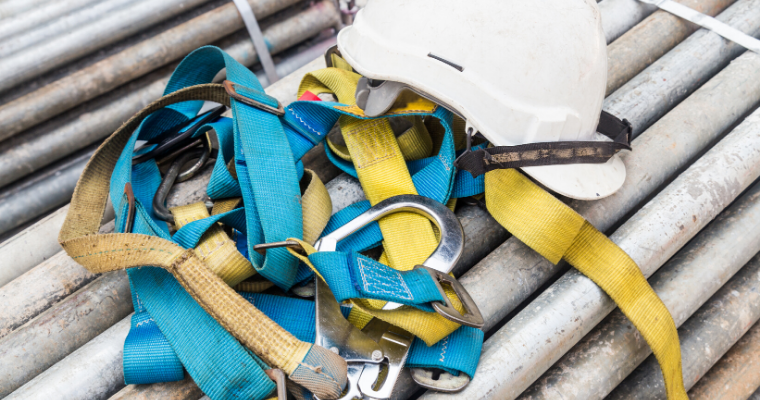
(582, 181)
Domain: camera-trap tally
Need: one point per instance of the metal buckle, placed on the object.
(328, 55)
(278, 376)
(440, 381)
(472, 316)
(172, 142)
(229, 86)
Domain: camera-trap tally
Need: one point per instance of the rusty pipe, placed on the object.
(736, 375)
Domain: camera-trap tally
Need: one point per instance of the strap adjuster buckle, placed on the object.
(472, 316)
(229, 86)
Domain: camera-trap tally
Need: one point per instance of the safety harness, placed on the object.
(186, 310)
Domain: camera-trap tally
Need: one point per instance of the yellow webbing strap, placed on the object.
(557, 232)
(215, 248)
(110, 252)
(408, 238)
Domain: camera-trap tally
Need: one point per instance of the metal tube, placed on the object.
(11, 8)
(598, 363)
(23, 154)
(17, 207)
(137, 61)
(652, 38)
(93, 371)
(516, 355)
(51, 54)
(53, 335)
(736, 375)
(618, 16)
(701, 55)
(23, 22)
(51, 189)
(705, 337)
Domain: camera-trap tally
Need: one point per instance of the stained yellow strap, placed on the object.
(557, 232)
(215, 248)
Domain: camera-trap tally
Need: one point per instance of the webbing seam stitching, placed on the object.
(380, 290)
(304, 122)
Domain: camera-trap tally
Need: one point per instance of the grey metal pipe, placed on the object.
(11, 8)
(598, 363)
(702, 55)
(618, 16)
(91, 372)
(652, 38)
(61, 25)
(137, 61)
(705, 337)
(23, 22)
(548, 327)
(736, 375)
(53, 335)
(49, 190)
(51, 54)
(24, 154)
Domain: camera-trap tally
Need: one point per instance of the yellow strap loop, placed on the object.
(556, 231)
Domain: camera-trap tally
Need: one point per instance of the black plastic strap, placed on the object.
(550, 153)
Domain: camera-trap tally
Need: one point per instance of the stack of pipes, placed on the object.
(72, 71)
(688, 214)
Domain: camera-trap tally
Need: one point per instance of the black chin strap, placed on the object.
(479, 162)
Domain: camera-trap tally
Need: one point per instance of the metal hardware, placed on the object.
(174, 138)
(263, 247)
(130, 221)
(176, 175)
(328, 55)
(278, 376)
(376, 97)
(229, 86)
(440, 381)
(395, 343)
(336, 333)
(472, 316)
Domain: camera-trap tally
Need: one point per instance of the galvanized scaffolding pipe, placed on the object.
(700, 56)
(705, 337)
(48, 55)
(51, 189)
(33, 348)
(736, 375)
(140, 59)
(610, 352)
(11, 8)
(618, 16)
(19, 24)
(60, 25)
(91, 372)
(652, 38)
(518, 353)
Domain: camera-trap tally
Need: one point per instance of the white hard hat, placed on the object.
(519, 72)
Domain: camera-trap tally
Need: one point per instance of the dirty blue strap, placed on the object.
(353, 276)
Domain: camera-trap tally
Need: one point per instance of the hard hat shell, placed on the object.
(518, 72)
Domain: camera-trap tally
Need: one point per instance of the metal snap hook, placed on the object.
(176, 175)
